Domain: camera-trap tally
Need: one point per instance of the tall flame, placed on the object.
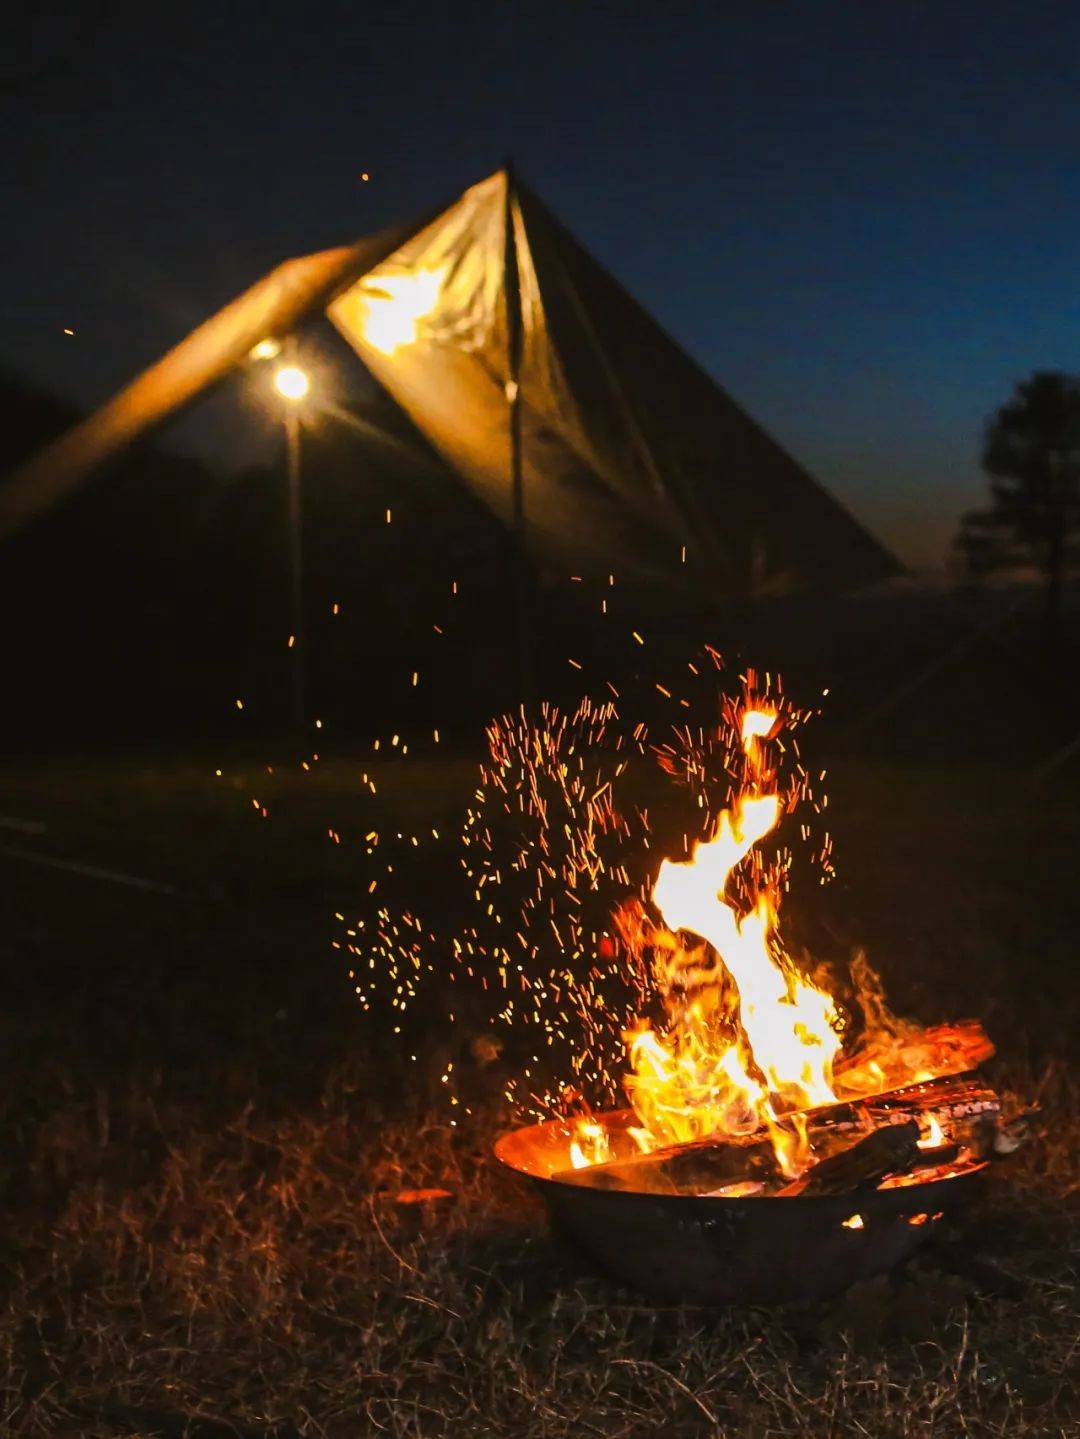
(741, 1039)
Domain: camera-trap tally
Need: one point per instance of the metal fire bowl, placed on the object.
(712, 1250)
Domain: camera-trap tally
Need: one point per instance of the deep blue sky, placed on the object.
(863, 218)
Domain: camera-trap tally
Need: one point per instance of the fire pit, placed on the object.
(738, 1248)
(787, 1132)
(763, 1159)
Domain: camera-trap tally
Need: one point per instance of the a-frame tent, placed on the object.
(544, 385)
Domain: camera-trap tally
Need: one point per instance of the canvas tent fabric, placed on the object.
(431, 323)
(633, 460)
(270, 308)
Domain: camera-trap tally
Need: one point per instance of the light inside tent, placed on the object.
(394, 306)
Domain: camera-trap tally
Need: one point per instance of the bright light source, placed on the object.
(292, 382)
(394, 305)
(265, 350)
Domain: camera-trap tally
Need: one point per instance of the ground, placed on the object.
(205, 1144)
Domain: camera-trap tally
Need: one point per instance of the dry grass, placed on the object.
(203, 1235)
(262, 1278)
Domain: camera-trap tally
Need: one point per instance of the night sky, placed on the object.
(863, 218)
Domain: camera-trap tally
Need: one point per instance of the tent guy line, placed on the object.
(90, 871)
(22, 826)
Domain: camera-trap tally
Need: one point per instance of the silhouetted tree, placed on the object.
(1031, 453)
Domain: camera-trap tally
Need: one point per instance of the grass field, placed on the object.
(204, 1143)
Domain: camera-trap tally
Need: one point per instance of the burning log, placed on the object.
(888, 1059)
(714, 1165)
(952, 1098)
(892, 1149)
(982, 1134)
(699, 1167)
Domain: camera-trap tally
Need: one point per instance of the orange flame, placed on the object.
(590, 1144)
(741, 1039)
(934, 1135)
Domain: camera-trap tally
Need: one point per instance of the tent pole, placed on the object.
(512, 288)
(298, 657)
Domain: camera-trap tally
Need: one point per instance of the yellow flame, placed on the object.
(756, 724)
(590, 1144)
(934, 1135)
(394, 305)
(723, 1062)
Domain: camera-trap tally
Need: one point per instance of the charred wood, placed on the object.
(699, 1167)
(893, 1149)
(704, 1166)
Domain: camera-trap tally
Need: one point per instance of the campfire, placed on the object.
(774, 1112)
(753, 1090)
(747, 1083)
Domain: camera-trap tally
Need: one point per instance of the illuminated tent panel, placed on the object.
(431, 325)
(272, 307)
(630, 450)
(759, 522)
(630, 453)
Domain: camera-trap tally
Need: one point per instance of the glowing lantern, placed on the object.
(292, 383)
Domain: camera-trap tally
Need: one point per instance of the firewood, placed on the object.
(700, 1166)
(703, 1166)
(938, 1157)
(996, 1136)
(950, 1098)
(892, 1149)
(944, 1049)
